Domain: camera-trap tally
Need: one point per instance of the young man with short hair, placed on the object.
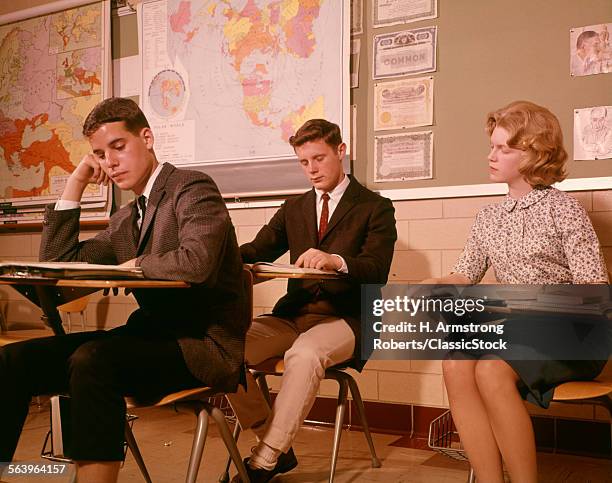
(338, 225)
(178, 338)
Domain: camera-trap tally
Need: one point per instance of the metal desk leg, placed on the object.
(48, 303)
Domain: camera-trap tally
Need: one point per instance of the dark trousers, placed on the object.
(97, 369)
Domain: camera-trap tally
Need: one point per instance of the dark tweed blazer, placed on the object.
(361, 230)
(186, 235)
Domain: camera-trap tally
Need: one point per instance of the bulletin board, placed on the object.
(488, 55)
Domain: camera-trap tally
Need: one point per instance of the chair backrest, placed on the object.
(247, 284)
(77, 305)
(3, 324)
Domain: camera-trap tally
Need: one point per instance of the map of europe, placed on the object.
(50, 78)
(270, 66)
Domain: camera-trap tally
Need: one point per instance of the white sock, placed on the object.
(260, 430)
(264, 457)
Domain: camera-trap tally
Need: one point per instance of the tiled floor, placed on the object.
(165, 441)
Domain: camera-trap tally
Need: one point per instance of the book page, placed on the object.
(67, 270)
(64, 265)
(288, 268)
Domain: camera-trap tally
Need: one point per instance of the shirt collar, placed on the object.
(525, 201)
(151, 181)
(337, 192)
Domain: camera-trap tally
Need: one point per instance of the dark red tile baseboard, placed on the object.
(579, 437)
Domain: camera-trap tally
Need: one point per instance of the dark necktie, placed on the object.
(142, 203)
(324, 216)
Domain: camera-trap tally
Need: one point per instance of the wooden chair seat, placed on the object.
(577, 390)
(272, 366)
(597, 391)
(194, 400)
(157, 401)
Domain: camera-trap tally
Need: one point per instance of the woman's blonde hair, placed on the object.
(536, 131)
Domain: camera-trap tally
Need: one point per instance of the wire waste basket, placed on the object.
(445, 440)
(222, 403)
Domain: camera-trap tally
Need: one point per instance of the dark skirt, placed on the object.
(548, 351)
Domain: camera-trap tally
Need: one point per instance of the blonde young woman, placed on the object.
(536, 235)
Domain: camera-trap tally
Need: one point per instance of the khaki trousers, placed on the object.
(310, 343)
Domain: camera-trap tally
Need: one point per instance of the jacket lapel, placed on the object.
(347, 202)
(157, 193)
(125, 233)
(309, 210)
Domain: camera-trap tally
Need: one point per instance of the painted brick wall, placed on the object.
(431, 234)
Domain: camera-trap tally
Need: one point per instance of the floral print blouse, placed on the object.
(545, 237)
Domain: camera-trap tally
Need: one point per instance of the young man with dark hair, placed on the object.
(338, 225)
(178, 338)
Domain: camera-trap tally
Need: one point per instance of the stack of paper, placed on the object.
(572, 299)
(75, 270)
(29, 206)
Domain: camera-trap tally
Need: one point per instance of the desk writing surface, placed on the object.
(96, 284)
(78, 274)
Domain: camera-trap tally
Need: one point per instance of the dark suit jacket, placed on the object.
(186, 235)
(361, 230)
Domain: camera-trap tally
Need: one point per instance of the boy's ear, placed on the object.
(147, 136)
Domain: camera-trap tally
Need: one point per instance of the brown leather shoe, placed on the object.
(286, 462)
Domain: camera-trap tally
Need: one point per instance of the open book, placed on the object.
(74, 270)
(601, 308)
(569, 297)
(288, 268)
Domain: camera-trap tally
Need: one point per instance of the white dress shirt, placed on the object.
(334, 199)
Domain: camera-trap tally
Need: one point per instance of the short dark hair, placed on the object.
(316, 129)
(115, 109)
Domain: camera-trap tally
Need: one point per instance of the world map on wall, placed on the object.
(258, 68)
(50, 78)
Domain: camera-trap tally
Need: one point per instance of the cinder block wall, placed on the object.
(431, 234)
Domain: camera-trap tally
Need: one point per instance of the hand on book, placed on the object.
(286, 268)
(313, 258)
